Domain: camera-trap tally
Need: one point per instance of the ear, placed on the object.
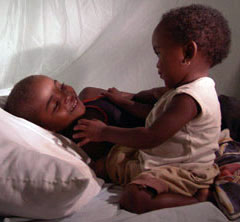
(189, 51)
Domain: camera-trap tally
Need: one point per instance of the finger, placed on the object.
(83, 142)
(79, 127)
(115, 89)
(96, 120)
(83, 121)
(110, 89)
(108, 95)
(79, 135)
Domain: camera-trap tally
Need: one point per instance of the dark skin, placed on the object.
(178, 64)
(144, 98)
(174, 58)
(58, 105)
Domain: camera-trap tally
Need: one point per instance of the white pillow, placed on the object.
(41, 177)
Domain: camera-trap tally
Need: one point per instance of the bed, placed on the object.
(43, 177)
(102, 43)
(104, 208)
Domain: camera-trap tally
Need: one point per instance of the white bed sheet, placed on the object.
(104, 208)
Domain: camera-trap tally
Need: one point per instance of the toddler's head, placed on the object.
(198, 31)
(45, 102)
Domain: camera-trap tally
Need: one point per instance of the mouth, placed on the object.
(73, 104)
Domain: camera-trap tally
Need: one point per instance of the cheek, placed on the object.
(60, 121)
(70, 89)
(78, 113)
(81, 109)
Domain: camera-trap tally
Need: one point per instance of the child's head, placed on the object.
(200, 33)
(45, 102)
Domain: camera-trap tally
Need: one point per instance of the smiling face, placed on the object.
(170, 57)
(57, 105)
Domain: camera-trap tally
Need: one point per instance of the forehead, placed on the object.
(42, 89)
(161, 37)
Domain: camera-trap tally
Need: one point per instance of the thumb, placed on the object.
(83, 142)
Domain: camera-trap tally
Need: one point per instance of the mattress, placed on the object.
(104, 208)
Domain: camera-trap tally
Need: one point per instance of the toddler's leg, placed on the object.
(167, 186)
(139, 199)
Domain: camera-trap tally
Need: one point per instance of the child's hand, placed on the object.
(89, 130)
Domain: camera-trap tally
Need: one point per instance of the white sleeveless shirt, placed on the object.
(194, 145)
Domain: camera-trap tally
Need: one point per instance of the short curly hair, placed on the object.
(202, 24)
(21, 99)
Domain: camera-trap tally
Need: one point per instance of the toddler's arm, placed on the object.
(182, 109)
(140, 104)
(92, 92)
(150, 96)
(145, 96)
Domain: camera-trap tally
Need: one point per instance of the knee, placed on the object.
(134, 199)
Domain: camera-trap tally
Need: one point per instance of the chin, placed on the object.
(80, 112)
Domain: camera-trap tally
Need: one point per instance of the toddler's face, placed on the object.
(57, 104)
(170, 57)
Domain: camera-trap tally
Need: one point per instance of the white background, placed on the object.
(101, 43)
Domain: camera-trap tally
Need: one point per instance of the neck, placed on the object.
(192, 77)
(197, 69)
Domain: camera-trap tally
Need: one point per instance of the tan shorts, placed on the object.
(123, 167)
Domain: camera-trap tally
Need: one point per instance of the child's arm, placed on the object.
(182, 109)
(150, 96)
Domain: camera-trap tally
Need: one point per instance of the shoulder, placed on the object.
(199, 94)
(186, 104)
(201, 86)
(202, 90)
(204, 93)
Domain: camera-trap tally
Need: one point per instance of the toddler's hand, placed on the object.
(89, 130)
(114, 90)
(126, 95)
(115, 95)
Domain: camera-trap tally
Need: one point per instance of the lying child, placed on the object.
(56, 107)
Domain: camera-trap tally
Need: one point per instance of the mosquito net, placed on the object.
(101, 43)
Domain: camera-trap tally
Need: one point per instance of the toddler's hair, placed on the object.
(21, 98)
(202, 24)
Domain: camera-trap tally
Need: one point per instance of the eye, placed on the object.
(56, 106)
(156, 51)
